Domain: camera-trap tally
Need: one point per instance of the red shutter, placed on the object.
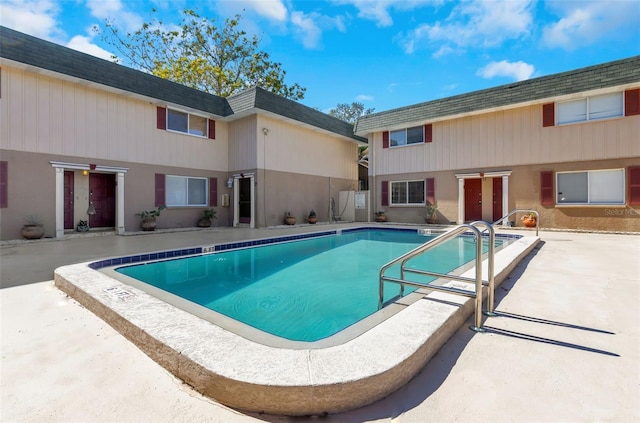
(546, 188)
(385, 193)
(213, 192)
(385, 139)
(4, 184)
(428, 133)
(634, 185)
(160, 200)
(212, 129)
(548, 114)
(161, 117)
(632, 102)
(431, 190)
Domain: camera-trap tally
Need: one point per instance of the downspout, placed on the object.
(372, 167)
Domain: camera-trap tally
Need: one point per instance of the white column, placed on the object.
(59, 202)
(236, 203)
(253, 203)
(120, 203)
(505, 198)
(460, 201)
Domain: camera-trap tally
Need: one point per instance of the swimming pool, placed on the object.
(302, 290)
(218, 360)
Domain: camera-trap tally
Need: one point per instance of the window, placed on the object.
(185, 191)
(407, 193)
(407, 136)
(186, 122)
(591, 187)
(590, 108)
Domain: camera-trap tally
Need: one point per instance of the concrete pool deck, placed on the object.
(567, 347)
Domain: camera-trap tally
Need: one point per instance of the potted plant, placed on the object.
(83, 226)
(529, 220)
(381, 216)
(289, 219)
(34, 228)
(207, 217)
(312, 218)
(430, 214)
(148, 222)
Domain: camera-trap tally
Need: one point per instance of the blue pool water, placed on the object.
(303, 290)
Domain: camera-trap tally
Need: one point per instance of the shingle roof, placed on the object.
(609, 74)
(42, 54)
(265, 100)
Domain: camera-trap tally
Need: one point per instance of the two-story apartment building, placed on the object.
(80, 134)
(566, 145)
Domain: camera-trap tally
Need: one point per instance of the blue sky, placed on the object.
(385, 54)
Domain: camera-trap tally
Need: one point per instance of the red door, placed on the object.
(102, 193)
(472, 199)
(68, 199)
(497, 198)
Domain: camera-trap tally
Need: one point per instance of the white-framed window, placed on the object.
(186, 123)
(591, 187)
(596, 107)
(406, 136)
(408, 193)
(185, 191)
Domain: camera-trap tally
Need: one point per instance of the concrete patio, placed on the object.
(565, 348)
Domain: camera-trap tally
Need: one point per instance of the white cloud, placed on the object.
(487, 23)
(271, 9)
(516, 70)
(274, 10)
(364, 97)
(379, 11)
(310, 26)
(83, 44)
(114, 11)
(34, 17)
(584, 22)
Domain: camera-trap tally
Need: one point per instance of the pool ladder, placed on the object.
(477, 280)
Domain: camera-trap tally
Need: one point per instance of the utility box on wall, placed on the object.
(353, 206)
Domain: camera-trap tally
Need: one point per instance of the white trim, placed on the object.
(60, 167)
(483, 174)
(82, 166)
(504, 174)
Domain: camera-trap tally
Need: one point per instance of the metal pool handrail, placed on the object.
(477, 294)
(518, 211)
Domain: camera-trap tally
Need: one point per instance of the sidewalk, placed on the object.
(567, 347)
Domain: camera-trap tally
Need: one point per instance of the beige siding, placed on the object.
(509, 138)
(242, 147)
(46, 115)
(296, 149)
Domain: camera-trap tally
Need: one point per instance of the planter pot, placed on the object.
(204, 223)
(381, 218)
(529, 223)
(431, 219)
(312, 220)
(33, 231)
(290, 220)
(148, 224)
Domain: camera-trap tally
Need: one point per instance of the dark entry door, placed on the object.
(68, 199)
(244, 202)
(102, 192)
(497, 198)
(472, 199)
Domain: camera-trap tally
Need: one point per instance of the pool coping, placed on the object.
(250, 376)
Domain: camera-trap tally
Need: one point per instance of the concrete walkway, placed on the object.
(566, 347)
